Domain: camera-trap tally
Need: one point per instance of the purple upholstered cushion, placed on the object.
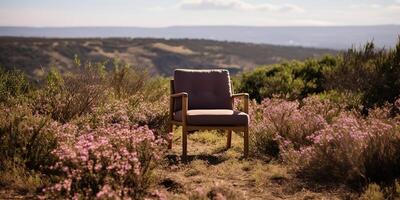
(207, 89)
(214, 117)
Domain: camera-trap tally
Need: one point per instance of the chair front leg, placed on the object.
(185, 105)
(184, 142)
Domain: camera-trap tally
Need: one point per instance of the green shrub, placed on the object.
(126, 81)
(375, 73)
(293, 80)
(367, 76)
(12, 84)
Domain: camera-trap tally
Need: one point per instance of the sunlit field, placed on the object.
(326, 128)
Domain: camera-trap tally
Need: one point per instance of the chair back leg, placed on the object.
(229, 139)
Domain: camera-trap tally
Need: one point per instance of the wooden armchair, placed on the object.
(202, 100)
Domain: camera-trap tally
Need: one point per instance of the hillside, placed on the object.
(159, 56)
(332, 37)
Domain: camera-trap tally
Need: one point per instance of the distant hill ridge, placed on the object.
(159, 56)
(334, 37)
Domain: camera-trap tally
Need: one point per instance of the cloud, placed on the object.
(236, 5)
(394, 7)
(366, 6)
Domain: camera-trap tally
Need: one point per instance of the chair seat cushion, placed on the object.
(214, 117)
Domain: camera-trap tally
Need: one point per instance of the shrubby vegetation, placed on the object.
(328, 143)
(334, 120)
(86, 133)
(369, 75)
(99, 133)
(293, 80)
(111, 161)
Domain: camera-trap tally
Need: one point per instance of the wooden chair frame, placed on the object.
(188, 128)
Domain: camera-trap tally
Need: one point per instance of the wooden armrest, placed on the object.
(185, 103)
(179, 95)
(245, 96)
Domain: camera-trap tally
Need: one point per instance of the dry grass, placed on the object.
(18, 180)
(215, 173)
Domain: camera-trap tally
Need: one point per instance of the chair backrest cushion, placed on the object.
(207, 89)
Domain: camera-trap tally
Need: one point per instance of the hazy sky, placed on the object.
(158, 13)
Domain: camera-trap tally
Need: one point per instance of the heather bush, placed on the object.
(382, 151)
(279, 126)
(73, 94)
(108, 162)
(26, 142)
(343, 99)
(153, 114)
(118, 118)
(145, 99)
(336, 154)
(355, 150)
(123, 111)
(150, 105)
(325, 142)
(26, 138)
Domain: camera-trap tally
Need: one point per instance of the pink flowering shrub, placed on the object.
(280, 126)
(353, 149)
(154, 114)
(100, 131)
(123, 111)
(326, 142)
(108, 162)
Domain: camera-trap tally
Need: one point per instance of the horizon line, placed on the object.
(178, 26)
